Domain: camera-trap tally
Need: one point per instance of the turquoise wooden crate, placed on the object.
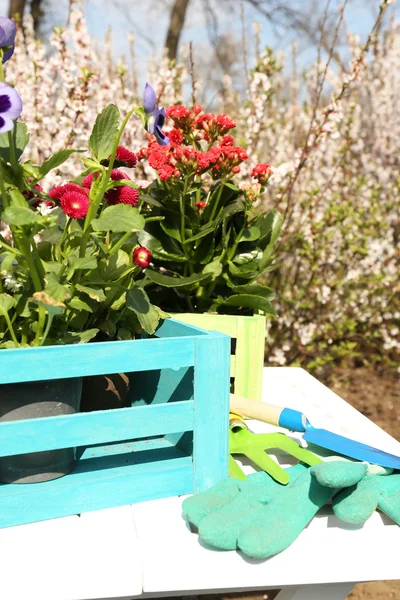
(172, 440)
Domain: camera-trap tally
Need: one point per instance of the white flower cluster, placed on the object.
(337, 275)
(64, 89)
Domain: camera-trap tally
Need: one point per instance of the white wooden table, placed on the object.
(146, 550)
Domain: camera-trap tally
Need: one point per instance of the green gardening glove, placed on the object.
(261, 517)
(378, 489)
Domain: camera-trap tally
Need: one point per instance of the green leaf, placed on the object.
(205, 230)
(149, 200)
(246, 257)
(92, 165)
(108, 327)
(21, 215)
(78, 337)
(123, 183)
(248, 301)
(228, 193)
(140, 112)
(17, 198)
(55, 161)
(171, 227)
(21, 138)
(93, 293)
(7, 262)
(124, 334)
(80, 264)
(214, 268)
(160, 245)
(148, 316)
(119, 302)
(119, 218)
(115, 265)
(233, 208)
(276, 221)
(167, 281)
(247, 271)
(55, 289)
(31, 170)
(204, 250)
(104, 134)
(79, 304)
(250, 235)
(6, 303)
(255, 289)
(53, 306)
(52, 235)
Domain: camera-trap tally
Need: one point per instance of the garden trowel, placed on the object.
(296, 421)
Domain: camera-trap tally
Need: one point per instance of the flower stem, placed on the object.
(188, 265)
(215, 207)
(9, 248)
(2, 78)
(183, 198)
(11, 329)
(120, 243)
(37, 283)
(63, 236)
(3, 191)
(13, 157)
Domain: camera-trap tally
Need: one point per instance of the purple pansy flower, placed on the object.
(10, 107)
(8, 31)
(156, 118)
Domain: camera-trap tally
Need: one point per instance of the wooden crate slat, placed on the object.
(82, 492)
(249, 332)
(56, 362)
(211, 428)
(99, 427)
(250, 346)
(124, 455)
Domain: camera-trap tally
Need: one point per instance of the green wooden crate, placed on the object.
(247, 355)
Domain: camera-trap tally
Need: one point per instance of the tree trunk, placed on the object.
(37, 13)
(177, 20)
(16, 7)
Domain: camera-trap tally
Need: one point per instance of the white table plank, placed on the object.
(123, 552)
(73, 558)
(326, 552)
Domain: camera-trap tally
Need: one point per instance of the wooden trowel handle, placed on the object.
(268, 413)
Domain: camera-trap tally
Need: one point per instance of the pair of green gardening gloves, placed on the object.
(261, 517)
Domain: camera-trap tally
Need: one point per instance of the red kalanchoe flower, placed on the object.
(175, 137)
(126, 157)
(57, 192)
(227, 140)
(262, 172)
(123, 195)
(200, 205)
(166, 172)
(142, 257)
(75, 204)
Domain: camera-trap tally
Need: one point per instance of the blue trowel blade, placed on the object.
(348, 447)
